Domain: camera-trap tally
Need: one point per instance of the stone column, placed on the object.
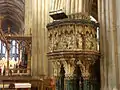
(28, 17)
(78, 6)
(117, 32)
(69, 6)
(108, 45)
(112, 63)
(42, 35)
(75, 6)
(35, 48)
(40, 13)
(86, 6)
(103, 48)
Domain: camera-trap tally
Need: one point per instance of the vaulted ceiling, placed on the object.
(13, 12)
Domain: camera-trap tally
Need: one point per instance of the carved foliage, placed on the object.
(85, 63)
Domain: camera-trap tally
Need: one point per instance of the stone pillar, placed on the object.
(108, 44)
(28, 17)
(34, 39)
(43, 17)
(117, 32)
(86, 6)
(69, 6)
(103, 48)
(40, 9)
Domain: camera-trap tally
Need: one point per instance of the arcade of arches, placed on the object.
(60, 44)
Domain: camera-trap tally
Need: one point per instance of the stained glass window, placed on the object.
(14, 50)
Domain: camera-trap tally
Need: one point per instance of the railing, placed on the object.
(16, 71)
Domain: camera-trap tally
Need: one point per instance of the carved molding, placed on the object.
(73, 41)
(72, 36)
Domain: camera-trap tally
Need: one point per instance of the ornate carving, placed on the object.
(79, 37)
(71, 39)
(90, 39)
(50, 41)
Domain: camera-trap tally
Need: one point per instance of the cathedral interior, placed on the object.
(59, 45)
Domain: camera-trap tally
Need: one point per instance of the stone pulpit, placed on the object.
(73, 41)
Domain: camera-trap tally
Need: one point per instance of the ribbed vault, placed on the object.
(13, 12)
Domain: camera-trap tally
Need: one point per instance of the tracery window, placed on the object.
(14, 50)
(2, 50)
(11, 35)
(13, 54)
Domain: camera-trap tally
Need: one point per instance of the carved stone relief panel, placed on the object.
(90, 39)
(50, 41)
(68, 40)
(79, 37)
(72, 37)
(62, 38)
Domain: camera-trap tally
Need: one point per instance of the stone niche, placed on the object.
(73, 41)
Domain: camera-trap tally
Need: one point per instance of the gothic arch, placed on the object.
(13, 11)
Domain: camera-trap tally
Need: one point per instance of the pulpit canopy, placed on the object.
(57, 15)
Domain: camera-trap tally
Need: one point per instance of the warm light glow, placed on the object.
(17, 85)
(22, 85)
(5, 85)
